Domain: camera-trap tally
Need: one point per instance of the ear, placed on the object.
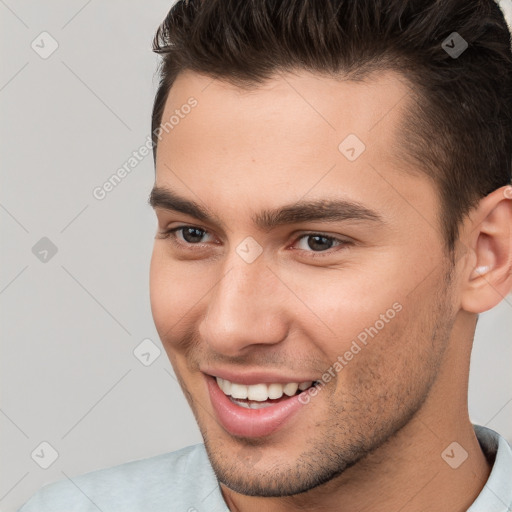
(488, 236)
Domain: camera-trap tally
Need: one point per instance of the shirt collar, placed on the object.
(496, 496)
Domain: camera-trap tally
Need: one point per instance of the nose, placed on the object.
(245, 309)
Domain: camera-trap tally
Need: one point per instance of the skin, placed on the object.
(372, 439)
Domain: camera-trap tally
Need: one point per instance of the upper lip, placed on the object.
(249, 377)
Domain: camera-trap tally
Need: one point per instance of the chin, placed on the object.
(253, 470)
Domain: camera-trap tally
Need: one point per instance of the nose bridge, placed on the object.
(243, 309)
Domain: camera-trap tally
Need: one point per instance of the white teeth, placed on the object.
(291, 388)
(226, 386)
(251, 405)
(260, 392)
(305, 385)
(238, 390)
(275, 391)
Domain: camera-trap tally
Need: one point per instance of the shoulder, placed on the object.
(150, 484)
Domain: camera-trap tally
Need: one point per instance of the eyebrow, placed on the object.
(329, 210)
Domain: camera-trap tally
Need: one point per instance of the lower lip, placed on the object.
(243, 422)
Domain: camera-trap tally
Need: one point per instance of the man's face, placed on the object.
(357, 301)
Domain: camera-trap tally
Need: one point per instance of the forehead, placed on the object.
(324, 106)
(294, 135)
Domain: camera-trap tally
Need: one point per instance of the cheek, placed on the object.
(346, 305)
(168, 290)
(398, 363)
(373, 300)
(178, 291)
(376, 329)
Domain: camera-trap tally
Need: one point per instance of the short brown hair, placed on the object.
(459, 132)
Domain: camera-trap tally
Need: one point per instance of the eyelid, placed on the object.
(338, 238)
(344, 242)
(170, 232)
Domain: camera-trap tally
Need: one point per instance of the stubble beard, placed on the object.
(357, 424)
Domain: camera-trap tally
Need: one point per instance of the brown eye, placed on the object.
(317, 242)
(188, 235)
(192, 235)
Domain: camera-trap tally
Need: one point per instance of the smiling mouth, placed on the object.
(259, 396)
(256, 410)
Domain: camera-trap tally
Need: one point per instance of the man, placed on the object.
(334, 211)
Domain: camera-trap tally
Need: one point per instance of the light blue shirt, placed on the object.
(184, 481)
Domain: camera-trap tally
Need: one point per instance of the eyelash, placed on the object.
(171, 235)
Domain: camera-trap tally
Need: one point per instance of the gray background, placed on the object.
(71, 322)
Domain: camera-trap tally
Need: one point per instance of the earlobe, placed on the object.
(490, 241)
